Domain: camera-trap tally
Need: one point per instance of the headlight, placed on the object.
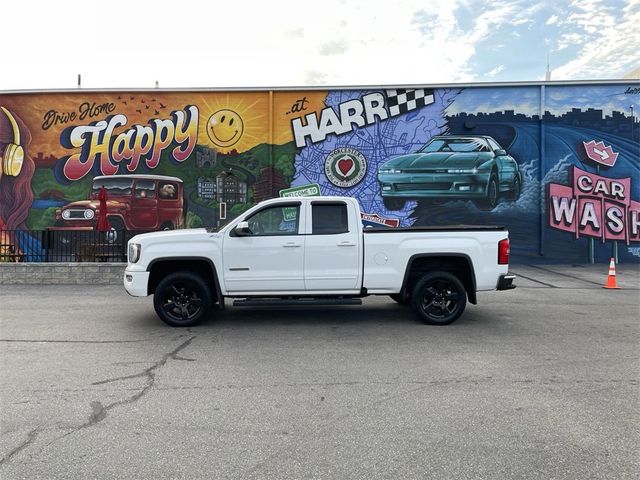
(134, 252)
(390, 170)
(89, 214)
(471, 171)
(66, 214)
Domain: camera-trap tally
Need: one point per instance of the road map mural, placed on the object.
(557, 164)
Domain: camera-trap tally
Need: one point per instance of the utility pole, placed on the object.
(547, 75)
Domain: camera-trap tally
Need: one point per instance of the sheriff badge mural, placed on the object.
(558, 165)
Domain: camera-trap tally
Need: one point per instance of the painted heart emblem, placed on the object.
(346, 166)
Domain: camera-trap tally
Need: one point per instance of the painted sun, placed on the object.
(233, 122)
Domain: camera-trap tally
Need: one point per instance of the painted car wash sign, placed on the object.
(600, 153)
(595, 206)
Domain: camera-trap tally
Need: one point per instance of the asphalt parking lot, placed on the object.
(538, 382)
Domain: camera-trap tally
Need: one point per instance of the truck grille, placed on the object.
(404, 187)
(76, 214)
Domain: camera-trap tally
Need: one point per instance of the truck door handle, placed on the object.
(346, 244)
(291, 245)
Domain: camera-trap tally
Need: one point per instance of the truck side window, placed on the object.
(275, 221)
(168, 191)
(494, 145)
(329, 218)
(145, 189)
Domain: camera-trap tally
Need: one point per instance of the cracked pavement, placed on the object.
(540, 382)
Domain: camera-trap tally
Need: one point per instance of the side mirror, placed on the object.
(242, 229)
(500, 152)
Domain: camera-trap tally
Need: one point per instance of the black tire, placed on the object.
(391, 203)
(491, 200)
(439, 298)
(182, 299)
(166, 226)
(117, 231)
(516, 187)
(400, 298)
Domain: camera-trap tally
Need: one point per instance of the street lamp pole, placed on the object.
(632, 121)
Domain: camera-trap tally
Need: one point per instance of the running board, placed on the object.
(284, 302)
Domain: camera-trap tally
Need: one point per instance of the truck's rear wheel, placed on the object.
(182, 299)
(439, 298)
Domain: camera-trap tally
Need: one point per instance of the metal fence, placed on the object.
(64, 245)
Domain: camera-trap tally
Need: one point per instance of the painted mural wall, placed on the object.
(558, 164)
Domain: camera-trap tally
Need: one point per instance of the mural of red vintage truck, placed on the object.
(134, 202)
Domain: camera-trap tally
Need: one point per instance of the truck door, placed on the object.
(333, 248)
(144, 205)
(270, 258)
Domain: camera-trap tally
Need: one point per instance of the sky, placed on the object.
(298, 43)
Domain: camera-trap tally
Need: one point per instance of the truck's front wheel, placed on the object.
(182, 299)
(439, 298)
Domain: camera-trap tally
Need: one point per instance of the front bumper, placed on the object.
(433, 185)
(136, 282)
(505, 282)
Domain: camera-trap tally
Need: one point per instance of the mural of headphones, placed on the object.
(13, 155)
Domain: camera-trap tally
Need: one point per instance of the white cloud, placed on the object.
(567, 39)
(609, 46)
(553, 19)
(335, 42)
(495, 71)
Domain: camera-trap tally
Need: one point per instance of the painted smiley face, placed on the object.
(225, 127)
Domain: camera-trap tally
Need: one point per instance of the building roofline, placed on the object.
(538, 83)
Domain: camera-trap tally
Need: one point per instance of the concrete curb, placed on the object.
(61, 273)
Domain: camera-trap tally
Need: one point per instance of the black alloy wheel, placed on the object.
(439, 298)
(182, 299)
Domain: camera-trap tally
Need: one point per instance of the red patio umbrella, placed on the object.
(103, 224)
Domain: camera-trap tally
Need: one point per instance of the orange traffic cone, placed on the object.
(611, 279)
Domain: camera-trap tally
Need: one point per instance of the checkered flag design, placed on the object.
(404, 100)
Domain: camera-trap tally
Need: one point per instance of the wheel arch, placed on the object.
(160, 268)
(458, 264)
(495, 170)
(117, 218)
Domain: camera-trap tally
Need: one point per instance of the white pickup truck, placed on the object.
(312, 251)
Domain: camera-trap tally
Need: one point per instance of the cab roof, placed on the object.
(139, 177)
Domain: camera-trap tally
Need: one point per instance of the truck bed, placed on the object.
(438, 228)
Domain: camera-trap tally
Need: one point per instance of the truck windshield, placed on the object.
(455, 145)
(115, 186)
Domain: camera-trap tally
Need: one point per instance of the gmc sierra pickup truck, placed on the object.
(314, 250)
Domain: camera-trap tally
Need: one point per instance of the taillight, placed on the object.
(503, 252)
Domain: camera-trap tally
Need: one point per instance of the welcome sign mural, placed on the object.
(556, 164)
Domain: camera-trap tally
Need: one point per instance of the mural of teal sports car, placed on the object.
(451, 167)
